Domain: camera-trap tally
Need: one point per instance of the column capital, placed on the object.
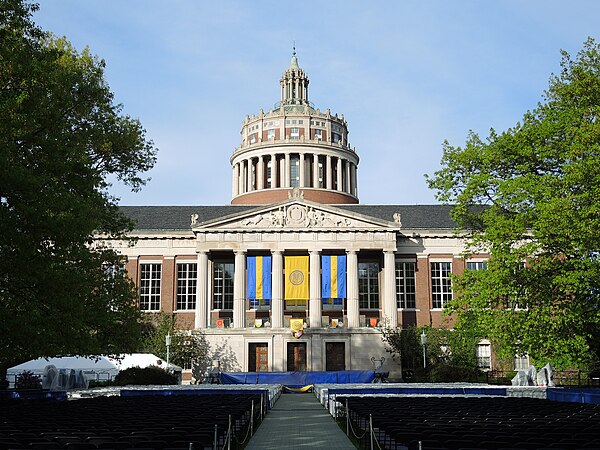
(239, 252)
(277, 252)
(351, 252)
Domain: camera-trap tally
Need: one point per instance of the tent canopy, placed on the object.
(94, 368)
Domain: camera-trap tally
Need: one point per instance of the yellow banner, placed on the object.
(296, 278)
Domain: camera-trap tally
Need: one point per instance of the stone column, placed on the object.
(354, 181)
(389, 309)
(202, 299)
(301, 169)
(315, 170)
(348, 177)
(250, 175)
(339, 174)
(328, 174)
(352, 287)
(316, 305)
(277, 290)
(239, 291)
(261, 173)
(235, 180)
(274, 171)
(286, 172)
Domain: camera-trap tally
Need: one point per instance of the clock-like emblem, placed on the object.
(296, 277)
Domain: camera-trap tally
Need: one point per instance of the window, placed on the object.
(368, 285)
(253, 138)
(295, 305)
(477, 265)
(150, 286)
(319, 134)
(295, 133)
(271, 134)
(187, 279)
(223, 285)
(484, 356)
(441, 287)
(269, 165)
(321, 164)
(405, 285)
(336, 138)
(295, 170)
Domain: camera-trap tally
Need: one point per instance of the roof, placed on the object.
(179, 217)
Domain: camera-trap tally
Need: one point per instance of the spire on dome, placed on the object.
(294, 63)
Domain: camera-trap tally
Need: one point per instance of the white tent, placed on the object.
(101, 368)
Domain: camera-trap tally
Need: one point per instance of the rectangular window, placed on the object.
(476, 265)
(295, 133)
(319, 134)
(441, 287)
(484, 356)
(223, 285)
(521, 362)
(187, 279)
(405, 285)
(269, 174)
(150, 275)
(271, 134)
(321, 164)
(295, 305)
(368, 285)
(253, 138)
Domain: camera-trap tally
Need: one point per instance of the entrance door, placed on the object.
(258, 357)
(335, 356)
(296, 357)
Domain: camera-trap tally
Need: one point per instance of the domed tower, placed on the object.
(293, 146)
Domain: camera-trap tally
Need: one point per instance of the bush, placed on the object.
(447, 373)
(28, 380)
(142, 376)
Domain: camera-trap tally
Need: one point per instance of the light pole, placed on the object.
(424, 344)
(168, 342)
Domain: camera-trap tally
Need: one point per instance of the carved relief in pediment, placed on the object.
(297, 216)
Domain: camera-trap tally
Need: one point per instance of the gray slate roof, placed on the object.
(179, 217)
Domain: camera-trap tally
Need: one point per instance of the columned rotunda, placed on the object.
(295, 275)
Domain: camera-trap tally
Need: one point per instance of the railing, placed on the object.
(579, 378)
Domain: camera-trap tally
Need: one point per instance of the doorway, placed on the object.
(296, 357)
(258, 357)
(335, 356)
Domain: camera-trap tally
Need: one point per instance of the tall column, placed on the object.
(202, 307)
(354, 181)
(250, 175)
(352, 287)
(287, 171)
(260, 173)
(348, 177)
(301, 169)
(316, 305)
(389, 309)
(315, 171)
(234, 181)
(274, 171)
(239, 291)
(242, 177)
(277, 290)
(339, 174)
(328, 174)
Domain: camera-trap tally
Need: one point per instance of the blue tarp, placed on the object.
(574, 395)
(298, 379)
(419, 391)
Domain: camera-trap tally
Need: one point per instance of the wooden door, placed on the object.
(296, 357)
(258, 357)
(335, 356)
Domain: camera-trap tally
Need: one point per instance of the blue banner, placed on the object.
(333, 276)
(259, 277)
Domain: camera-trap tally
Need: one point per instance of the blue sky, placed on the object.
(406, 75)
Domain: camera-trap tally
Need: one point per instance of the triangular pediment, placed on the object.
(294, 214)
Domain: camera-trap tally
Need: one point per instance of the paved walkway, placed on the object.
(298, 421)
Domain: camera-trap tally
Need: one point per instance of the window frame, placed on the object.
(441, 283)
(222, 294)
(404, 298)
(187, 285)
(372, 293)
(150, 287)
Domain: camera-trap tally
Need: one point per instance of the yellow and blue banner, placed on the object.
(333, 276)
(259, 280)
(296, 278)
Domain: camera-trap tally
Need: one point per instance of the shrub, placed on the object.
(446, 372)
(143, 376)
(28, 380)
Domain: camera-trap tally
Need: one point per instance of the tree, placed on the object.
(188, 348)
(61, 137)
(530, 197)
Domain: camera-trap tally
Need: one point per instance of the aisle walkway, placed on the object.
(298, 421)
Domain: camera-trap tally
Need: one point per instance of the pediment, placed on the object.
(295, 215)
